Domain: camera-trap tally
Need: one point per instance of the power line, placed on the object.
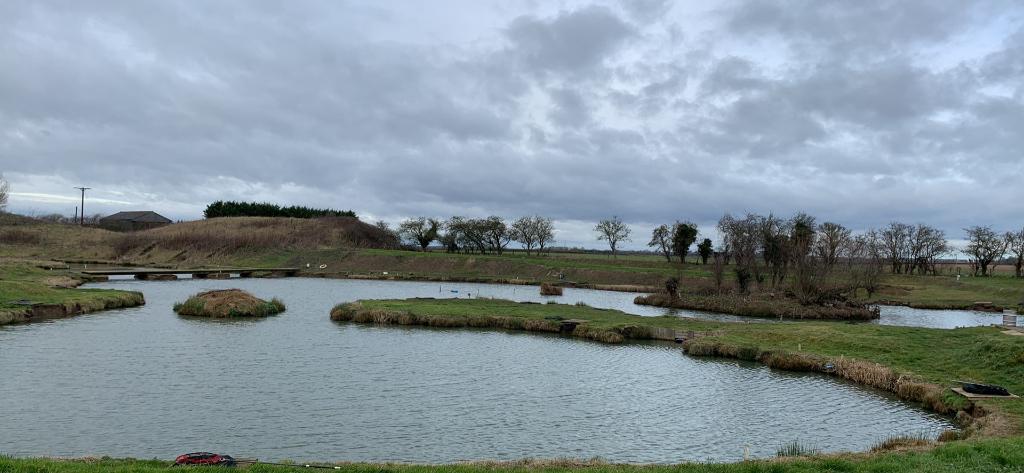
(81, 213)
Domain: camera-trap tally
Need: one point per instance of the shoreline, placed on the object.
(50, 311)
(972, 418)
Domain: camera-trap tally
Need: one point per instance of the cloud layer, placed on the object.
(860, 112)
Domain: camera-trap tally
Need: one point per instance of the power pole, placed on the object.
(81, 212)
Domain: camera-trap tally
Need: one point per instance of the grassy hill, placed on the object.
(201, 242)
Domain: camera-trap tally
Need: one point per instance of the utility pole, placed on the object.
(81, 212)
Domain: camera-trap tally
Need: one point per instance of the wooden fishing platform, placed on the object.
(968, 395)
(205, 273)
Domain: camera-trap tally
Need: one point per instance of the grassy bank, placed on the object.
(758, 306)
(914, 363)
(989, 455)
(50, 294)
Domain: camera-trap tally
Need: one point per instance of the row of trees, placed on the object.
(986, 247)
(817, 263)
(482, 235)
(265, 209)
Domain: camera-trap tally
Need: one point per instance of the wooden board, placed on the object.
(968, 395)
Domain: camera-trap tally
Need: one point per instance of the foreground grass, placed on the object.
(935, 356)
(24, 281)
(990, 455)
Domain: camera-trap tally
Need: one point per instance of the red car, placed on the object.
(204, 458)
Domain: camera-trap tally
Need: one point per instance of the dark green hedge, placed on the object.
(255, 209)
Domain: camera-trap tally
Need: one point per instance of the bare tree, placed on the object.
(718, 269)
(544, 229)
(451, 234)
(391, 238)
(471, 233)
(865, 262)
(985, 247)
(421, 230)
(497, 233)
(5, 190)
(661, 239)
(1015, 244)
(743, 238)
(894, 239)
(833, 240)
(925, 245)
(613, 231)
(532, 231)
(523, 232)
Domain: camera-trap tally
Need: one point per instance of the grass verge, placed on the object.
(988, 455)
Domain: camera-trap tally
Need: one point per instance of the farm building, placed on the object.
(135, 220)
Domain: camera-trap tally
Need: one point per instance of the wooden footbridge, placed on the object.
(206, 273)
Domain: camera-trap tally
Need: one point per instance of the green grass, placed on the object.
(587, 261)
(936, 356)
(992, 455)
(23, 281)
(947, 292)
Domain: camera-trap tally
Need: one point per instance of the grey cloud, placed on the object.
(633, 109)
(573, 41)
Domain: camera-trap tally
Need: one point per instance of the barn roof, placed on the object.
(144, 216)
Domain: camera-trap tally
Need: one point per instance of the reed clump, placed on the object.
(547, 289)
(228, 303)
(796, 449)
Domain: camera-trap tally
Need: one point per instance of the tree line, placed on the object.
(222, 208)
(476, 235)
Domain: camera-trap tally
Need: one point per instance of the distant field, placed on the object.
(347, 247)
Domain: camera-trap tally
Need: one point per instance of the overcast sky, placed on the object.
(859, 112)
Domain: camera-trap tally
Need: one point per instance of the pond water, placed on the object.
(144, 382)
(898, 315)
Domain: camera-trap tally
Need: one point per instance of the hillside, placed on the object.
(201, 242)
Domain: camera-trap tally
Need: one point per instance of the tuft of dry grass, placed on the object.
(902, 442)
(547, 289)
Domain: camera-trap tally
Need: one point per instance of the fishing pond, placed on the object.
(144, 382)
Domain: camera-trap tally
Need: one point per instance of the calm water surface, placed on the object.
(144, 382)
